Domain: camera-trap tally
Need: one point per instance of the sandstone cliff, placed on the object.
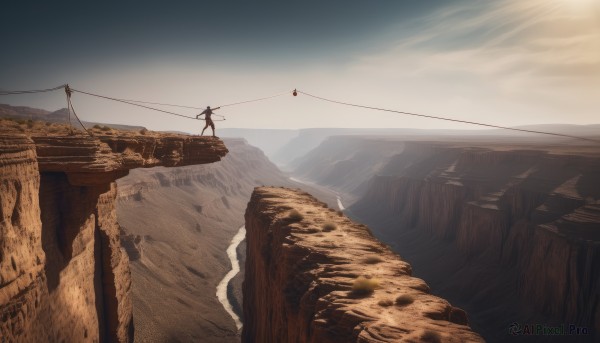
(346, 163)
(63, 275)
(530, 214)
(319, 277)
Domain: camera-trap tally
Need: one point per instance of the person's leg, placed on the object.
(205, 126)
(212, 126)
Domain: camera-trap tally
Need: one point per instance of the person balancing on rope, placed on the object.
(209, 122)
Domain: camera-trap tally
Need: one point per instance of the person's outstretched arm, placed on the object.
(203, 112)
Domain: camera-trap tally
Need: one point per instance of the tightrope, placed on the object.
(32, 91)
(139, 103)
(254, 100)
(448, 119)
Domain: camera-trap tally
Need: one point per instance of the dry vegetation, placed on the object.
(385, 302)
(329, 227)
(404, 300)
(372, 260)
(295, 216)
(364, 286)
(431, 336)
(12, 125)
(43, 128)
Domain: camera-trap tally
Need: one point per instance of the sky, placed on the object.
(503, 62)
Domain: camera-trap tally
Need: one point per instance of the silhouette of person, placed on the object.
(209, 122)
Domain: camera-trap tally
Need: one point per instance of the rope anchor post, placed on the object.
(68, 93)
(70, 107)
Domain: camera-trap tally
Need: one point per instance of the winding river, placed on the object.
(339, 203)
(235, 265)
(235, 268)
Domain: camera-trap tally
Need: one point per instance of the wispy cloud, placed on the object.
(541, 54)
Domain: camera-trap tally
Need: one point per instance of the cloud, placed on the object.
(540, 55)
(508, 62)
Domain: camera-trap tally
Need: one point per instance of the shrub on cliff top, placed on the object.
(372, 260)
(385, 302)
(329, 227)
(296, 216)
(431, 336)
(405, 299)
(364, 286)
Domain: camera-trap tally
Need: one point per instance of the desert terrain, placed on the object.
(494, 225)
(177, 225)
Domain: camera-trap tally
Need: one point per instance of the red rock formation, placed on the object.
(302, 280)
(536, 210)
(63, 274)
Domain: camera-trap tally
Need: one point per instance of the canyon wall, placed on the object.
(317, 276)
(531, 213)
(178, 223)
(346, 163)
(63, 274)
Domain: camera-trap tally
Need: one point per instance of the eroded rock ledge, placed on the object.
(63, 274)
(300, 277)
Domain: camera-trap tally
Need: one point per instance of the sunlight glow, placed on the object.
(580, 4)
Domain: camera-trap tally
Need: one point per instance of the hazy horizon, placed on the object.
(504, 62)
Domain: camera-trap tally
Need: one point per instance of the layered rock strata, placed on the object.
(533, 211)
(63, 274)
(319, 277)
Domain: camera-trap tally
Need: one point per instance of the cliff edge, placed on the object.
(63, 274)
(316, 276)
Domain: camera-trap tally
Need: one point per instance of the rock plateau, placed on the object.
(304, 275)
(63, 274)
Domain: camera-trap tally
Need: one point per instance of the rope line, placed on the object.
(79, 120)
(162, 104)
(165, 104)
(449, 119)
(139, 105)
(32, 91)
(71, 109)
(139, 102)
(253, 100)
(68, 95)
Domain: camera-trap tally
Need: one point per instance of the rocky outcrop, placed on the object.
(316, 276)
(535, 212)
(63, 274)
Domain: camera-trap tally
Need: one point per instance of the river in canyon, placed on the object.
(235, 261)
(235, 268)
